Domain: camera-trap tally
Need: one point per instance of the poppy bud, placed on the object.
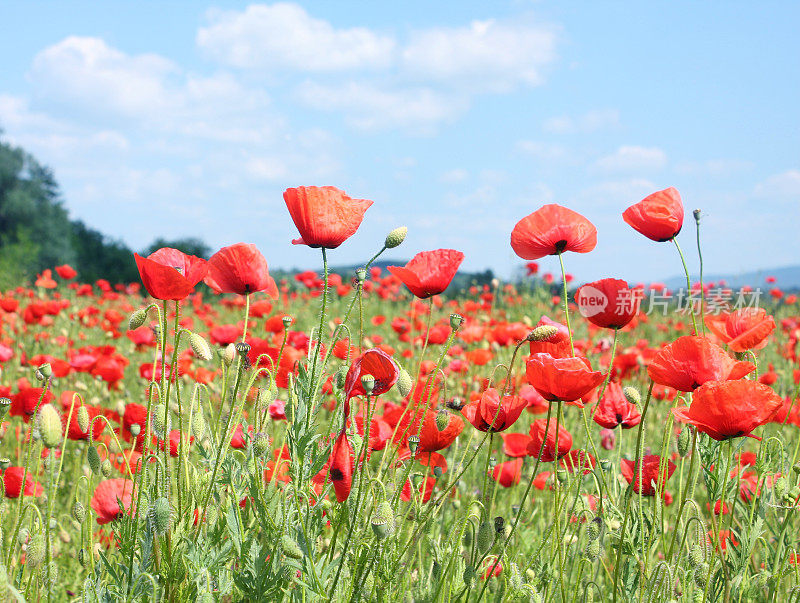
(83, 419)
(93, 458)
(542, 333)
(696, 556)
(106, 468)
(442, 419)
(396, 237)
(78, 512)
(22, 536)
(290, 548)
(469, 576)
(592, 550)
(261, 444)
(160, 515)
(413, 444)
(205, 597)
(632, 395)
(198, 426)
(161, 425)
(404, 383)
(4, 404)
(485, 536)
(383, 521)
(368, 383)
(781, 486)
(700, 574)
(228, 354)
(50, 428)
(684, 441)
(456, 320)
(137, 319)
(200, 347)
(35, 554)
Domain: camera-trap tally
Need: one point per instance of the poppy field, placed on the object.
(212, 434)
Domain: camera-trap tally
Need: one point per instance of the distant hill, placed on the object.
(787, 278)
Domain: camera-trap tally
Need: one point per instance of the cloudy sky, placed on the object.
(457, 118)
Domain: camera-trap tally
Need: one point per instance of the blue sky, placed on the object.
(457, 118)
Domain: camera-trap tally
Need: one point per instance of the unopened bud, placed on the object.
(404, 383)
(261, 444)
(137, 319)
(697, 555)
(50, 428)
(83, 419)
(485, 536)
(35, 554)
(542, 333)
(161, 421)
(106, 468)
(593, 528)
(93, 458)
(290, 548)
(396, 237)
(78, 512)
(592, 550)
(161, 515)
(781, 486)
(684, 441)
(632, 395)
(198, 426)
(228, 354)
(200, 347)
(442, 420)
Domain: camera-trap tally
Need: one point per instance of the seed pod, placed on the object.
(93, 458)
(200, 347)
(78, 512)
(396, 237)
(368, 383)
(137, 319)
(485, 536)
(160, 515)
(413, 444)
(5, 403)
(456, 320)
(45, 370)
(50, 427)
(404, 383)
(290, 548)
(35, 554)
(383, 521)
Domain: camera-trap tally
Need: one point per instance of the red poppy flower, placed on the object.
(614, 409)
(66, 272)
(378, 364)
(12, 481)
(169, 274)
(730, 409)
(240, 269)
(509, 473)
(649, 474)
(516, 444)
(429, 272)
(552, 230)
(659, 216)
(25, 402)
(341, 467)
(690, 361)
(546, 445)
(742, 330)
(325, 216)
(490, 414)
(565, 379)
(431, 438)
(45, 280)
(425, 490)
(608, 303)
(108, 496)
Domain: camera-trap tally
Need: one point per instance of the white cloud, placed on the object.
(454, 175)
(583, 124)
(486, 56)
(542, 151)
(617, 193)
(629, 158)
(88, 73)
(285, 36)
(785, 185)
(368, 107)
(714, 167)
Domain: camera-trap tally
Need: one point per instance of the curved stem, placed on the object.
(688, 283)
